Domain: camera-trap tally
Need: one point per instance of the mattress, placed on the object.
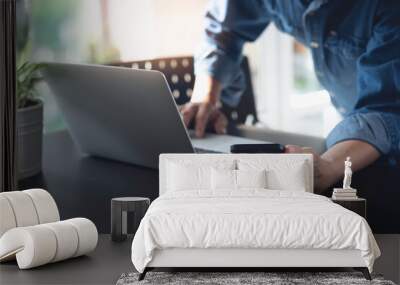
(250, 219)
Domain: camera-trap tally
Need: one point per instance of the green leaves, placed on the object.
(27, 78)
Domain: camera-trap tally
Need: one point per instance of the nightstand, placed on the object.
(357, 205)
(119, 215)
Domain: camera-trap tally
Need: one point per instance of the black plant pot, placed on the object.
(30, 132)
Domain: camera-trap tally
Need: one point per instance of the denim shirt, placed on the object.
(355, 47)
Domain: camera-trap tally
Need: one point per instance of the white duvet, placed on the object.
(250, 219)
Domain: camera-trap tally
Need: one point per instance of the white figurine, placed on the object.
(347, 174)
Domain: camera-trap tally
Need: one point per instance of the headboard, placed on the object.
(288, 160)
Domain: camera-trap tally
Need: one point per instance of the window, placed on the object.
(289, 96)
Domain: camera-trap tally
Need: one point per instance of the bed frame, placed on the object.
(240, 259)
(246, 259)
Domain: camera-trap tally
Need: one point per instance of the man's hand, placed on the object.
(204, 114)
(202, 109)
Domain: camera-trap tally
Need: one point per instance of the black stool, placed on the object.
(119, 215)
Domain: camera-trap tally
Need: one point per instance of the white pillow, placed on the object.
(282, 174)
(183, 178)
(189, 175)
(227, 179)
(223, 179)
(251, 178)
(294, 179)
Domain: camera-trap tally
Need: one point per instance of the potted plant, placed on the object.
(29, 120)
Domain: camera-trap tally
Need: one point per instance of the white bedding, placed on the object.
(250, 219)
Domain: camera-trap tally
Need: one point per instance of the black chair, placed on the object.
(179, 72)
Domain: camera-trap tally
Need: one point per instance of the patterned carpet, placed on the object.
(243, 278)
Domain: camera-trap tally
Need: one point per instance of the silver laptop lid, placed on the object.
(118, 113)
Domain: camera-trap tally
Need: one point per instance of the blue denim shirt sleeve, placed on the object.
(376, 118)
(380, 129)
(228, 25)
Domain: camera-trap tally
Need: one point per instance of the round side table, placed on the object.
(119, 215)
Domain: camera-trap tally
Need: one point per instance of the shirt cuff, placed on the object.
(216, 63)
(380, 130)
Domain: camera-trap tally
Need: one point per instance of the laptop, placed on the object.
(125, 114)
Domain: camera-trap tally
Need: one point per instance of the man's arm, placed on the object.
(228, 25)
(373, 129)
(329, 167)
(375, 123)
(362, 154)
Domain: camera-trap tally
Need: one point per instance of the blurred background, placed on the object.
(288, 96)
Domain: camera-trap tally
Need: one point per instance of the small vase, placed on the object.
(29, 139)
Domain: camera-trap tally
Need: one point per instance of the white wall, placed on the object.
(156, 28)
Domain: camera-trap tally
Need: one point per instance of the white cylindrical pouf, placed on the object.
(41, 244)
(7, 218)
(34, 246)
(23, 208)
(45, 205)
(67, 239)
(87, 234)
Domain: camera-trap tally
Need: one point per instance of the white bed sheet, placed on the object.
(250, 219)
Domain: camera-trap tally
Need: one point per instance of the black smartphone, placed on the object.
(258, 148)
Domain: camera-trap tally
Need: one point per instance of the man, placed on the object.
(356, 50)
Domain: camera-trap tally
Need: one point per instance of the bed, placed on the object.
(246, 211)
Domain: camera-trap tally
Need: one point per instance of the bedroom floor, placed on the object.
(106, 264)
(72, 180)
(103, 266)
